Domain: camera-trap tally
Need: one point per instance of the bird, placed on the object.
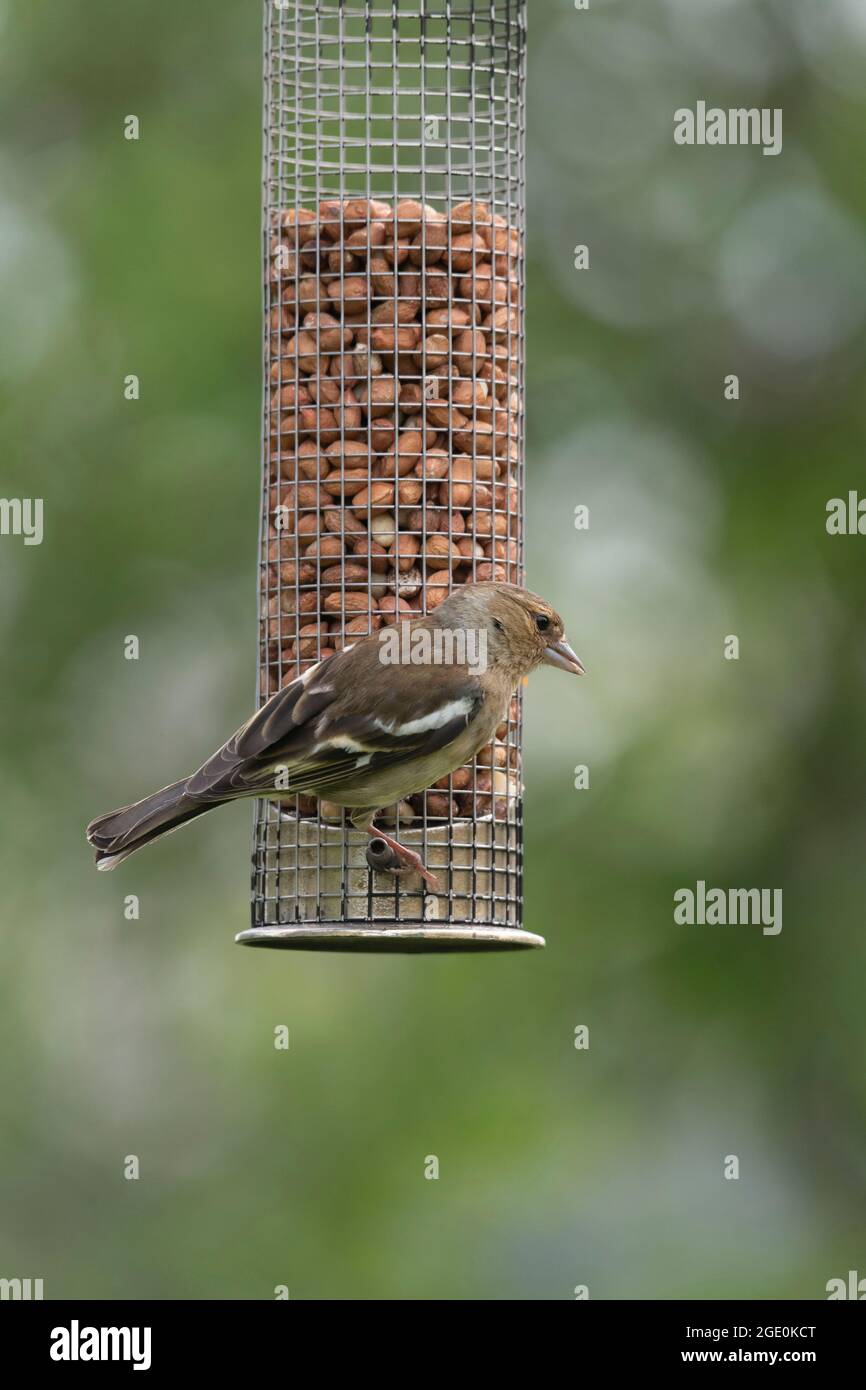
(368, 725)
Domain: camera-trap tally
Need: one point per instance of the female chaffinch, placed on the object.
(370, 725)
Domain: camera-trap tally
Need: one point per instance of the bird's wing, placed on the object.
(342, 717)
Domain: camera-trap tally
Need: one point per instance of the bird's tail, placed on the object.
(119, 834)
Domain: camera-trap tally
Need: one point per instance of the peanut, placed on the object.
(468, 216)
(347, 483)
(383, 529)
(380, 396)
(393, 609)
(440, 552)
(325, 548)
(349, 602)
(404, 550)
(466, 249)
(429, 243)
(378, 497)
(439, 805)
(406, 583)
(408, 216)
(349, 575)
(370, 551)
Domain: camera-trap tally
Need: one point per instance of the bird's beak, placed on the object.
(561, 654)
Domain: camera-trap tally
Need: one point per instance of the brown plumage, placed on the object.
(372, 724)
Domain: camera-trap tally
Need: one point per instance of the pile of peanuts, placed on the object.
(394, 439)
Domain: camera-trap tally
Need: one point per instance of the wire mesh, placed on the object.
(393, 439)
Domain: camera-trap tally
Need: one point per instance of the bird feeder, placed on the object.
(393, 441)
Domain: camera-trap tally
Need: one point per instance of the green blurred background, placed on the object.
(558, 1167)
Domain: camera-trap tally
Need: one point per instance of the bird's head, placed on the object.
(522, 631)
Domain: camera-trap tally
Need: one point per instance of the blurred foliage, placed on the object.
(155, 1038)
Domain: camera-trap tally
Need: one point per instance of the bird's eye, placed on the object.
(542, 623)
(497, 624)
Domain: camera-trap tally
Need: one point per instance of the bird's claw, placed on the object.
(400, 859)
(430, 879)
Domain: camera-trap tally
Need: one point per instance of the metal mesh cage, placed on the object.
(393, 423)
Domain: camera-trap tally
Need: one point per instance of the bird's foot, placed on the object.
(408, 858)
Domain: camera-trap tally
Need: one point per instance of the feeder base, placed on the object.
(405, 939)
(319, 891)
